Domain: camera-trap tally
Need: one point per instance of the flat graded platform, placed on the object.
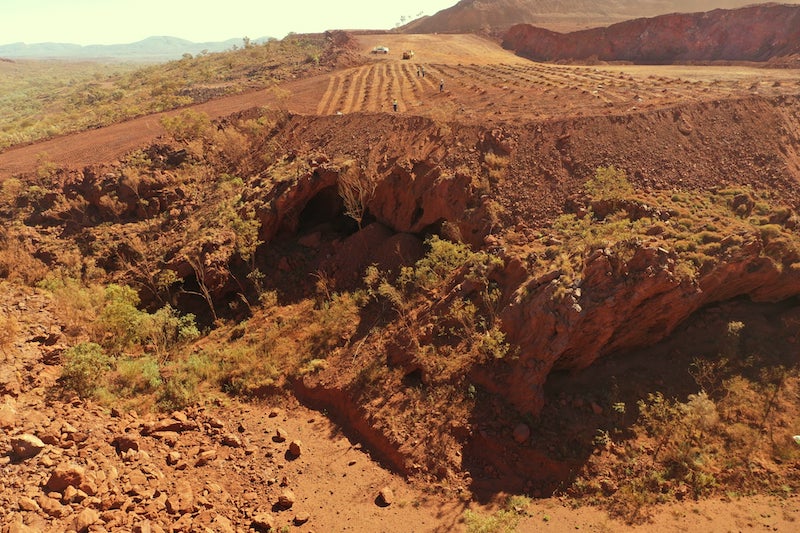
(471, 79)
(440, 48)
(467, 79)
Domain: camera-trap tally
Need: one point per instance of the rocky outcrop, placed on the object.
(756, 33)
(622, 304)
(480, 15)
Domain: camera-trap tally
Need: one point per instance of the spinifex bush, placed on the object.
(139, 375)
(505, 520)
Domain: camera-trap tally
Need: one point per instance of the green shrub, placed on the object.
(609, 183)
(443, 258)
(85, 366)
(504, 520)
(334, 322)
(119, 321)
(181, 389)
(187, 125)
(166, 329)
(176, 394)
(244, 369)
(139, 375)
(499, 522)
(493, 344)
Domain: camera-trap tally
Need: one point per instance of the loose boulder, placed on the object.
(66, 475)
(385, 497)
(26, 446)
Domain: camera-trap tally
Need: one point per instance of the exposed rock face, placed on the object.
(755, 33)
(475, 15)
(623, 306)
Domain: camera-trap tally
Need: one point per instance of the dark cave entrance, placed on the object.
(326, 211)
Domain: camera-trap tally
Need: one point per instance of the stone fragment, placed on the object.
(20, 527)
(123, 443)
(521, 433)
(280, 435)
(26, 446)
(173, 458)
(28, 504)
(181, 500)
(8, 416)
(66, 475)
(89, 487)
(232, 440)
(143, 527)
(301, 518)
(263, 522)
(10, 381)
(137, 478)
(286, 499)
(52, 507)
(205, 457)
(295, 448)
(184, 523)
(78, 437)
(70, 493)
(170, 438)
(86, 518)
(385, 497)
(167, 424)
(222, 525)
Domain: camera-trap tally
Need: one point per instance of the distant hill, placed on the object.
(757, 33)
(160, 48)
(557, 15)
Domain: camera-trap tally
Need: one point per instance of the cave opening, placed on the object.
(326, 211)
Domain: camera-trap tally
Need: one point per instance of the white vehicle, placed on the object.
(380, 50)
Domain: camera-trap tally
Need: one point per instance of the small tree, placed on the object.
(356, 190)
(195, 260)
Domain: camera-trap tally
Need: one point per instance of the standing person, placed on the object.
(441, 85)
(394, 105)
(422, 69)
(419, 72)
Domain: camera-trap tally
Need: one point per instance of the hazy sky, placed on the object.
(125, 21)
